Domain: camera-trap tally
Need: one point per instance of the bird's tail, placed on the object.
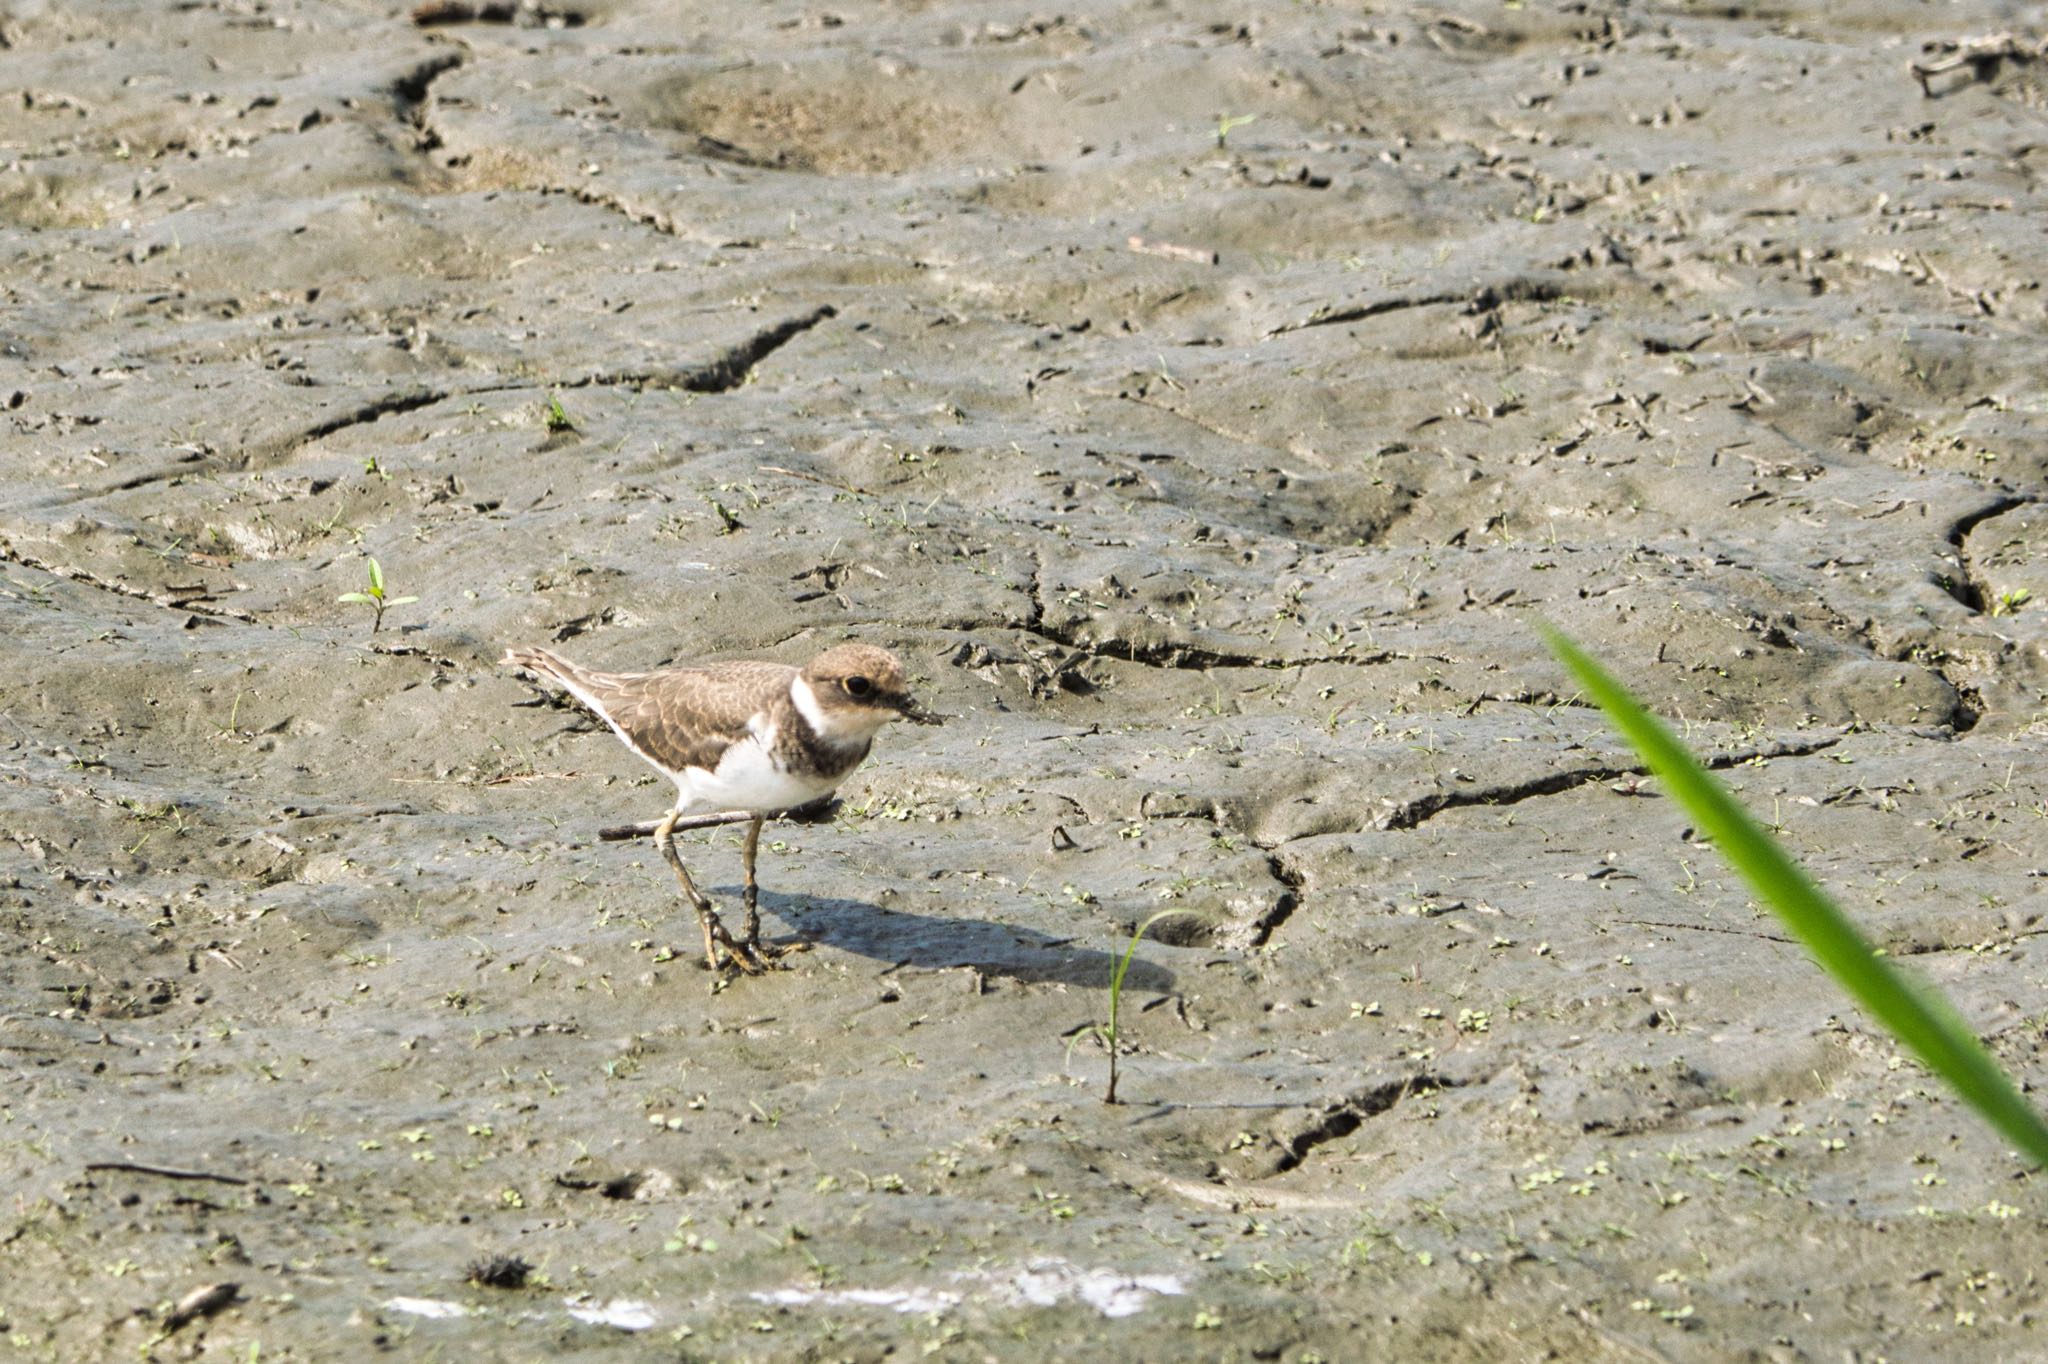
(544, 664)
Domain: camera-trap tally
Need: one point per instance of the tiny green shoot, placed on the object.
(556, 418)
(2009, 603)
(1917, 1015)
(1227, 123)
(728, 520)
(1108, 1033)
(375, 598)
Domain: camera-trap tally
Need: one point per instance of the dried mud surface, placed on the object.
(1211, 474)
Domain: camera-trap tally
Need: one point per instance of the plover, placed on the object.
(759, 738)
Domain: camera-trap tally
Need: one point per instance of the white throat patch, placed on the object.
(843, 728)
(806, 702)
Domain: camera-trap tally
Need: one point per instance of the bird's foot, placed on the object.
(724, 953)
(772, 953)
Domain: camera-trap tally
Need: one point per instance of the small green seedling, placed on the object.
(1108, 1033)
(556, 417)
(1917, 1014)
(728, 519)
(1225, 123)
(375, 598)
(2009, 603)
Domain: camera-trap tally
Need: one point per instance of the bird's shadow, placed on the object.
(934, 942)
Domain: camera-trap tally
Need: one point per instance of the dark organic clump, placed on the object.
(499, 1271)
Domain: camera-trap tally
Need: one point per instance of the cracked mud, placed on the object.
(1206, 402)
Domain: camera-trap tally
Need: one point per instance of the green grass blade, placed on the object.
(1116, 994)
(1917, 1015)
(1123, 966)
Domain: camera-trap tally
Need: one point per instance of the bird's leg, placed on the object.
(716, 934)
(752, 937)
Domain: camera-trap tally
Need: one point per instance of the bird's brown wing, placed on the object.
(685, 717)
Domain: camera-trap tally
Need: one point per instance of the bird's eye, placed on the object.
(857, 686)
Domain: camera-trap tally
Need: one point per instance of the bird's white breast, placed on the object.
(747, 778)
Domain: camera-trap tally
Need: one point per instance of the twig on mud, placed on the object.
(619, 833)
(816, 478)
(521, 778)
(814, 813)
(163, 1171)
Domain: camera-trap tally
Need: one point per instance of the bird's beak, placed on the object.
(907, 707)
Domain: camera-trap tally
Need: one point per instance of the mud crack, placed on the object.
(413, 87)
(391, 405)
(1413, 813)
(170, 601)
(1969, 589)
(1189, 657)
(1167, 655)
(1484, 299)
(520, 13)
(412, 94)
(1284, 905)
(267, 452)
(1359, 312)
(729, 370)
(1332, 1121)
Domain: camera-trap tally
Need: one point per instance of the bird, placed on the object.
(750, 737)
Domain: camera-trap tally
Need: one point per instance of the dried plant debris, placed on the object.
(499, 1271)
(1979, 59)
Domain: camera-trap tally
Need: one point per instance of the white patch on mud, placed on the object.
(896, 1299)
(623, 1313)
(432, 1308)
(1038, 1283)
(1047, 1283)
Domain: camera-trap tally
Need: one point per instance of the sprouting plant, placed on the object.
(728, 520)
(1916, 1014)
(1225, 123)
(2009, 603)
(557, 419)
(375, 598)
(1108, 1032)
